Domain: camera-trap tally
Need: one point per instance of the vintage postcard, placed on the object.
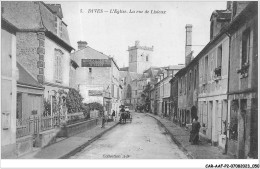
(120, 81)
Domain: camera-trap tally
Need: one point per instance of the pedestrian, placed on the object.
(194, 133)
(103, 120)
(122, 111)
(113, 115)
(106, 116)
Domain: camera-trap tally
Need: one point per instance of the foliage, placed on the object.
(87, 107)
(59, 101)
(74, 101)
(47, 107)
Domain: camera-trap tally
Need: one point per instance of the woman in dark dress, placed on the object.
(194, 133)
(113, 115)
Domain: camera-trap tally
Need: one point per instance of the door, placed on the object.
(242, 129)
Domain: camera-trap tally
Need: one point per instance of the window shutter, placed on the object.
(55, 66)
(60, 68)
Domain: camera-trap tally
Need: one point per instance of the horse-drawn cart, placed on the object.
(125, 116)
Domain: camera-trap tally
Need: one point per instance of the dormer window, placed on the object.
(58, 26)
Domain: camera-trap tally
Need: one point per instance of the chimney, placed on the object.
(229, 5)
(82, 45)
(188, 43)
(137, 43)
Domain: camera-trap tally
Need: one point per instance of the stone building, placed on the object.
(160, 88)
(130, 88)
(139, 58)
(187, 79)
(97, 77)
(243, 81)
(168, 74)
(43, 62)
(8, 89)
(173, 99)
(213, 80)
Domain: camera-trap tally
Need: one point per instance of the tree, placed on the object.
(74, 101)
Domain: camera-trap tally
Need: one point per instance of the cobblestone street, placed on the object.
(141, 139)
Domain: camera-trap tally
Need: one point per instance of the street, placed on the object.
(141, 139)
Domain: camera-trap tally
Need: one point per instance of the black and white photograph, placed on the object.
(126, 84)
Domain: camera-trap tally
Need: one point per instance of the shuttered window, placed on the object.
(58, 65)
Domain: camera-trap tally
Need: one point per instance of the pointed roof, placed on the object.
(56, 8)
(25, 78)
(35, 16)
(87, 53)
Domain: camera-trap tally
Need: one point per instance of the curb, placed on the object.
(181, 147)
(76, 150)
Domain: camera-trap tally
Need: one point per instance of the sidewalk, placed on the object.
(181, 137)
(71, 145)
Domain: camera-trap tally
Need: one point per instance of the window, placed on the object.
(58, 26)
(90, 70)
(19, 106)
(245, 47)
(147, 58)
(219, 56)
(58, 65)
(195, 74)
(112, 90)
(233, 131)
(190, 81)
(117, 92)
(206, 68)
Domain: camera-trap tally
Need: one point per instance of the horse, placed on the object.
(123, 117)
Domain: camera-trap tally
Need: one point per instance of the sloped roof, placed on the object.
(88, 53)
(152, 71)
(135, 76)
(124, 69)
(25, 78)
(178, 67)
(221, 15)
(33, 16)
(56, 8)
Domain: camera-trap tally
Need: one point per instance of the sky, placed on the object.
(112, 33)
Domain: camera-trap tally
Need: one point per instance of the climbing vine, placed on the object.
(47, 107)
(74, 101)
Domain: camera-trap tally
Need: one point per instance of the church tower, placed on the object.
(139, 58)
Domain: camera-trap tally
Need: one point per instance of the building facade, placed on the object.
(243, 81)
(213, 82)
(8, 89)
(43, 61)
(173, 99)
(187, 82)
(139, 58)
(97, 77)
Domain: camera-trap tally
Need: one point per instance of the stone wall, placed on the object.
(73, 129)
